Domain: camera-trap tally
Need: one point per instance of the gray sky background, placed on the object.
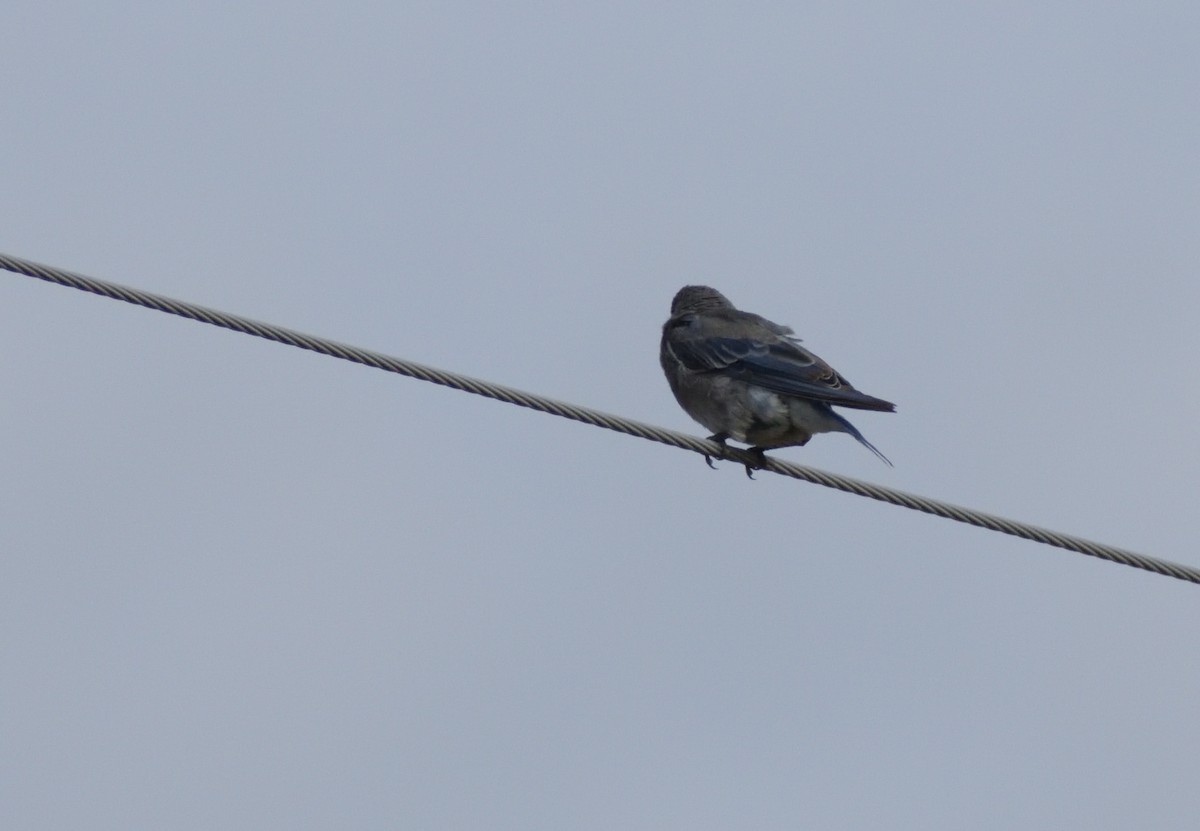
(244, 586)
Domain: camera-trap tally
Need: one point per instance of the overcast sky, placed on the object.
(243, 586)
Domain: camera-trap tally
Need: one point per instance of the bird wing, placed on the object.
(780, 364)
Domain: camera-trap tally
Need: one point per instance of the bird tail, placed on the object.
(852, 430)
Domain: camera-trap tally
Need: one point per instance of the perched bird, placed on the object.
(748, 379)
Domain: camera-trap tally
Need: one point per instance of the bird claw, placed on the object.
(758, 452)
(761, 462)
(719, 438)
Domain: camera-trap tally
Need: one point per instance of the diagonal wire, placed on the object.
(595, 418)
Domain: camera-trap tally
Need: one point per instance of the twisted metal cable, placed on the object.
(596, 418)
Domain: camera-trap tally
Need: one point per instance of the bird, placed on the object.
(749, 379)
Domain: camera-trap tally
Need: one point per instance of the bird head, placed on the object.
(698, 299)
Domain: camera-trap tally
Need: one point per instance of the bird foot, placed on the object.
(719, 438)
(761, 454)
